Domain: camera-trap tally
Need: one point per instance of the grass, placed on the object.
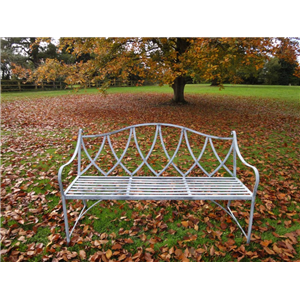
(291, 93)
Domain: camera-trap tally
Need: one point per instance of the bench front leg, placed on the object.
(255, 185)
(250, 220)
(66, 218)
(63, 199)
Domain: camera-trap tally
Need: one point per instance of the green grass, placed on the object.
(291, 93)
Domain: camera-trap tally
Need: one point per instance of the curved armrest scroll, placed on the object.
(246, 164)
(66, 164)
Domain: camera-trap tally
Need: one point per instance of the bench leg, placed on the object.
(250, 220)
(66, 219)
(84, 203)
(228, 203)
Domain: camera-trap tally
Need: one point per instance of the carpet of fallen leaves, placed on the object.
(38, 136)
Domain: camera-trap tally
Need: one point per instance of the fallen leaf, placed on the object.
(85, 228)
(185, 223)
(178, 252)
(82, 254)
(266, 243)
(184, 258)
(269, 251)
(108, 254)
(116, 247)
(122, 257)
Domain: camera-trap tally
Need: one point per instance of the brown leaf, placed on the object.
(82, 254)
(184, 258)
(223, 225)
(122, 257)
(268, 250)
(171, 250)
(97, 243)
(185, 223)
(85, 228)
(265, 243)
(292, 237)
(178, 252)
(150, 250)
(116, 247)
(148, 257)
(200, 250)
(108, 254)
(230, 242)
(281, 196)
(30, 253)
(277, 250)
(143, 237)
(128, 241)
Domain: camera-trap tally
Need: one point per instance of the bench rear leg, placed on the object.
(66, 219)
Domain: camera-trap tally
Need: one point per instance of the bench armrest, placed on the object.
(78, 145)
(236, 147)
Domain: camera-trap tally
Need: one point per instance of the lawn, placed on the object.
(291, 93)
(38, 135)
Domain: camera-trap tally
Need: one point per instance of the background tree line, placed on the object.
(25, 52)
(28, 53)
(274, 72)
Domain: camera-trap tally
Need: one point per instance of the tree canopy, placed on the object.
(163, 60)
(25, 52)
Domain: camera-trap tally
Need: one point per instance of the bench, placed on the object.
(109, 184)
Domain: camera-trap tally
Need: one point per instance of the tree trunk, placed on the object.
(34, 53)
(178, 88)
(215, 82)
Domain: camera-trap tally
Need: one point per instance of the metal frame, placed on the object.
(157, 187)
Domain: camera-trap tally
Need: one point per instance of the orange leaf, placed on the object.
(108, 254)
(185, 223)
(184, 258)
(265, 243)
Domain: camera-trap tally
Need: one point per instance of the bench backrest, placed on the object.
(184, 135)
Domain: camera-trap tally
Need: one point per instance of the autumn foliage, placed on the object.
(162, 60)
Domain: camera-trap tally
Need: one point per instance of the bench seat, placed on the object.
(157, 188)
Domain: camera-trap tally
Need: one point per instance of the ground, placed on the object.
(39, 135)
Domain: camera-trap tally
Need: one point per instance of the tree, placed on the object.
(286, 72)
(270, 72)
(279, 71)
(165, 60)
(26, 52)
(10, 56)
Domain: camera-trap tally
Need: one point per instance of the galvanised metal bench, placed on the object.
(105, 185)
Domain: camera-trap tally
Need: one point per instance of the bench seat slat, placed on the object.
(193, 188)
(149, 187)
